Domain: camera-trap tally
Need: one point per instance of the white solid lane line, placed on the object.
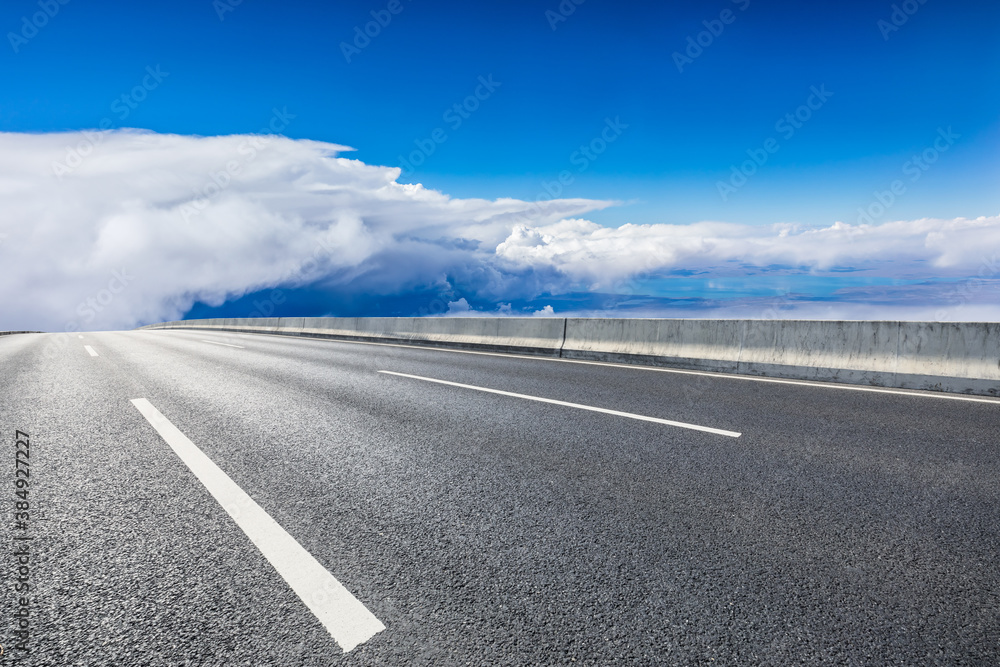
(226, 344)
(347, 620)
(90, 351)
(668, 422)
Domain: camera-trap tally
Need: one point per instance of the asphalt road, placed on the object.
(840, 527)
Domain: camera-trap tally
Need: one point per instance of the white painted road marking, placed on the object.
(693, 427)
(226, 344)
(347, 620)
(657, 369)
(90, 351)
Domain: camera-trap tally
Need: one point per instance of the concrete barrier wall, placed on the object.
(941, 355)
(954, 357)
(535, 334)
(700, 344)
(524, 334)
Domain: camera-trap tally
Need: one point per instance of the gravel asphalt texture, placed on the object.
(842, 527)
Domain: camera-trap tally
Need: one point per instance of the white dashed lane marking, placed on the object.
(218, 343)
(347, 620)
(656, 369)
(578, 406)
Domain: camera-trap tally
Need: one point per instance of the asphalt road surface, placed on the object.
(202, 498)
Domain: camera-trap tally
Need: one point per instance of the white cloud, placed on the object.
(458, 308)
(149, 206)
(596, 256)
(149, 223)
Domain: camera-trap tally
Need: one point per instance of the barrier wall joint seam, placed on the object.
(895, 366)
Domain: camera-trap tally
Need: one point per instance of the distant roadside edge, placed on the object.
(954, 357)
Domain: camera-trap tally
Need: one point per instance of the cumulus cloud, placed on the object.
(597, 256)
(928, 269)
(460, 308)
(146, 224)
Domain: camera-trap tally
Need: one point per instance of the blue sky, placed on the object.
(683, 93)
